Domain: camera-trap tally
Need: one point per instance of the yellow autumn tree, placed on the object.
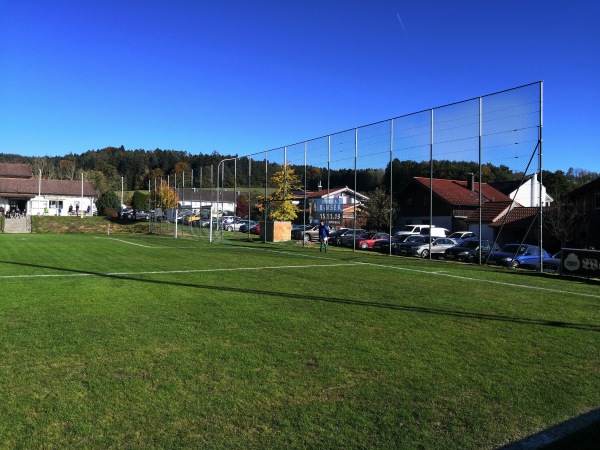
(280, 203)
(165, 195)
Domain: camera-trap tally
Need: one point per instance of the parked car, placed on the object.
(366, 242)
(460, 236)
(468, 250)
(298, 231)
(140, 215)
(255, 229)
(435, 232)
(552, 264)
(311, 234)
(188, 219)
(383, 245)
(421, 246)
(205, 223)
(247, 225)
(347, 240)
(513, 255)
(224, 220)
(125, 213)
(235, 225)
(337, 234)
(412, 229)
(336, 237)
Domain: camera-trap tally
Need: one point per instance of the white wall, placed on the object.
(37, 205)
(529, 195)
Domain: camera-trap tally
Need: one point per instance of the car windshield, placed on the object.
(419, 239)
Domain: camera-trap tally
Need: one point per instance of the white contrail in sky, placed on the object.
(400, 20)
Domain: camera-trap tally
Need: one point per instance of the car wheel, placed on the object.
(514, 264)
(307, 238)
(229, 228)
(425, 253)
(364, 246)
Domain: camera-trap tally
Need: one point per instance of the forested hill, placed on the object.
(106, 167)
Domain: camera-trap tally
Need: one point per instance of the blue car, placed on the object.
(514, 255)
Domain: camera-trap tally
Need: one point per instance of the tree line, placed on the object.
(107, 168)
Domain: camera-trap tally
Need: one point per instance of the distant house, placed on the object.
(21, 192)
(491, 213)
(526, 193)
(335, 205)
(207, 198)
(521, 224)
(453, 201)
(587, 231)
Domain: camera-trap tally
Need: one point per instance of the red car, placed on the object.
(367, 240)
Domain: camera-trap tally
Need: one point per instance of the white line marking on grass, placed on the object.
(48, 275)
(502, 283)
(168, 272)
(231, 269)
(127, 242)
(439, 273)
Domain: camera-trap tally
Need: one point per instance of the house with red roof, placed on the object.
(452, 201)
(336, 206)
(21, 193)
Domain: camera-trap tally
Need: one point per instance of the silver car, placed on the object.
(421, 247)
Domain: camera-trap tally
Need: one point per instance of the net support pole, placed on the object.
(541, 212)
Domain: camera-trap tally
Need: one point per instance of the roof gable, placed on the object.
(522, 214)
(490, 212)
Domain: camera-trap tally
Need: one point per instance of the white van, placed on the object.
(412, 229)
(435, 231)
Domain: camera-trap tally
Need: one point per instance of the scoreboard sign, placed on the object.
(330, 211)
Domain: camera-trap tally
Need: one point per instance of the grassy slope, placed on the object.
(351, 356)
(90, 225)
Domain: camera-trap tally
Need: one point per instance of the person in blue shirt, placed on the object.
(323, 236)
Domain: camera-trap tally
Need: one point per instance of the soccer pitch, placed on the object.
(130, 341)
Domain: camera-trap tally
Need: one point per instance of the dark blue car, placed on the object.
(513, 255)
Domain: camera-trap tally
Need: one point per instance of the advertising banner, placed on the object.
(580, 262)
(330, 210)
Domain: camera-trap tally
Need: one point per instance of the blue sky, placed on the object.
(242, 77)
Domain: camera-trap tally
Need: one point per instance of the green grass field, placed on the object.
(128, 341)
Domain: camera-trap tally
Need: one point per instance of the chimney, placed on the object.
(534, 191)
(471, 182)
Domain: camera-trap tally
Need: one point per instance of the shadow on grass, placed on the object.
(574, 279)
(581, 433)
(327, 299)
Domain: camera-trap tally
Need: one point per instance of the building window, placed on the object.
(56, 204)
